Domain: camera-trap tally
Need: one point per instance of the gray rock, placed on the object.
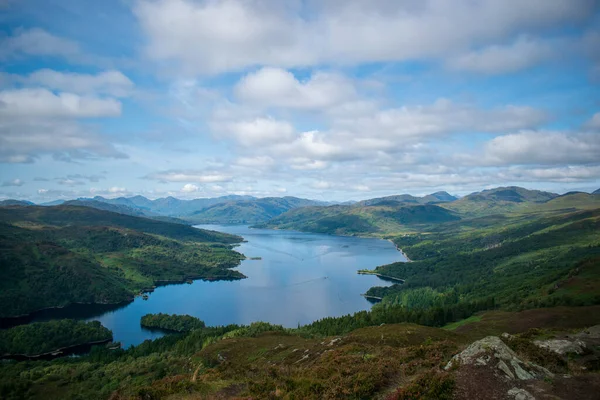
(520, 394)
(562, 346)
(589, 333)
(504, 368)
(494, 352)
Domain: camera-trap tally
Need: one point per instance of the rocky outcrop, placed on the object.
(562, 346)
(520, 394)
(492, 351)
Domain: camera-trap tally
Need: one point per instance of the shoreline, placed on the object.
(60, 352)
(400, 250)
(385, 277)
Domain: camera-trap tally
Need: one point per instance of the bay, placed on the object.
(301, 277)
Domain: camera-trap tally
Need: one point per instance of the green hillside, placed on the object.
(498, 200)
(385, 216)
(68, 254)
(247, 211)
(380, 358)
(122, 209)
(63, 215)
(521, 262)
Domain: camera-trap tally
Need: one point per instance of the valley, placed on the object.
(508, 267)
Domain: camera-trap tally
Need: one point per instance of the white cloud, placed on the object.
(110, 82)
(321, 185)
(36, 42)
(25, 140)
(13, 182)
(280, 88)
(189, 176)
(544, 147)
(30, 103)
(213, 37)
(256, 132)
(117, 190)
(189, 188)
(498, 59)
(256, 162)
(594, 122)
(70, 182)
(441, 117)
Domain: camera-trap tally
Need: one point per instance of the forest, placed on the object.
(43, 337)
(174, 323)
(66, 262)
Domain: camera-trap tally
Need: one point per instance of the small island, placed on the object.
(52, 338)
(172, 323)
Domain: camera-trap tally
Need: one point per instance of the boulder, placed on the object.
(492, 351)
(520, 394)
(562, 346)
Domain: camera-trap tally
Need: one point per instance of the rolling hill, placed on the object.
(12, 202)
(386, 216)
(247, 211)
(437, 197)
(55, 256)
(122, 209)
(498, 200)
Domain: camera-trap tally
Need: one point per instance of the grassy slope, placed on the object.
(383, 217)
(81, 255)
(86, 216)
(246, 211)
(523, 261)
(263, 361)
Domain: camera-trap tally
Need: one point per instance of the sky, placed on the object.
(324, 99)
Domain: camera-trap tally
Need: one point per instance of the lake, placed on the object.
(300, 278)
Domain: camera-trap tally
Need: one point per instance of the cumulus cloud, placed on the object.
(594, 122)
(279, 87)
(257, 131)
(442, 117)
(13, 182)
(497, 59)
(189, 188)
(69, 182)
(110, 82)
(22, 141)
(543, 147)
(213, 37)
(258, 161)
(36, 42)
(189, 176)
(43, 103)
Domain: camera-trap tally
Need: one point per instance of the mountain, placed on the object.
(498, 200)
(597, 191)
(62, 216)
(513, 194)
(122, 209)
(53, 203)
(169, 206)
(386, 216)
(248, 211)
(12, 202)
(60, 255)
(437, 197)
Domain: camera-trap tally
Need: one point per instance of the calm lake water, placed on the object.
(301, 277)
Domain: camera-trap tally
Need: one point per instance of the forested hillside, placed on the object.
(55, 256)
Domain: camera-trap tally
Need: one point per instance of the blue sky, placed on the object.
(329, 99)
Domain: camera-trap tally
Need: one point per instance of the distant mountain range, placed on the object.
(372, 215)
